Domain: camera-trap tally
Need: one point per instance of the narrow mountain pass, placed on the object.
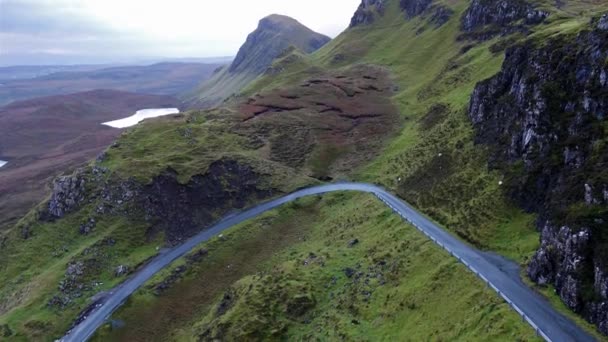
(547, 322)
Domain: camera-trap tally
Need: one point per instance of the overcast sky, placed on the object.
(99, 31)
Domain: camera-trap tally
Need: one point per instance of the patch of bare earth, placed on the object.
(327, 124)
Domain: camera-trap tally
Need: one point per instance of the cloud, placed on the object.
(119, 30)
(47, 17)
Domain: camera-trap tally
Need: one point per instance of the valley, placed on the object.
(159, 79)
(44, 137)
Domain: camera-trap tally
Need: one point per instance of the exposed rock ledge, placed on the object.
(544, 118)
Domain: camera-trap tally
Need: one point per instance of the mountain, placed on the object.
(272, 37)
(44, 136)
(486, 115)
(158, 79)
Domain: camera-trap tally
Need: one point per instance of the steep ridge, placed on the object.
(271, 38)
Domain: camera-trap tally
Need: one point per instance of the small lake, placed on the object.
(2, 163)
(140, 116)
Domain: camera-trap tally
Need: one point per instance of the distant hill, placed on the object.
(19, 72)
(160, 79)
(43, 136)
(274, 34)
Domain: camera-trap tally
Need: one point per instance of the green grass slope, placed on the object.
(312, 282)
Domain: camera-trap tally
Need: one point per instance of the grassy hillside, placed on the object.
(312, 281)
(160, 183)
(384, 103)
(433, 162)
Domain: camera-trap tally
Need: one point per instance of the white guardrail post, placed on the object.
(527, 319)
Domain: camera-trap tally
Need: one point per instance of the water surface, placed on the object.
(140, 116)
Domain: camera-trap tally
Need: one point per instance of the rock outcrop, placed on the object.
(181, 210)
(413, 8)
(485, 19)
(440, 15)
(544, 118)
(563, 256)
(68, 193)
(177, 210)
(366, 12)
(437, 14)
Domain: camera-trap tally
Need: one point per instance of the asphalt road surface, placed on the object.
(497, 272)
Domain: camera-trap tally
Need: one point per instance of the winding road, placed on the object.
(495, 271)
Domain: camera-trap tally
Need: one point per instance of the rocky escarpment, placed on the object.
(368, 10)
(178, 210)
(365, 13)
(544, 118)
(437, 14)
(181, 210)
(485, 19)
(68, 193)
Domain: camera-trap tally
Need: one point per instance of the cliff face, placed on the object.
(369, 10)
(544, 118)
(178, 210)
(485, 19)
(365, 12)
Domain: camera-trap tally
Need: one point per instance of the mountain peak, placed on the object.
(280, 19)
(274, 34)
(278, 23)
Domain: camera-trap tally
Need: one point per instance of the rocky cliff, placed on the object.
(177, 210)
(485, 19)
(544, 118)
(369, 10)
(365, 13)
